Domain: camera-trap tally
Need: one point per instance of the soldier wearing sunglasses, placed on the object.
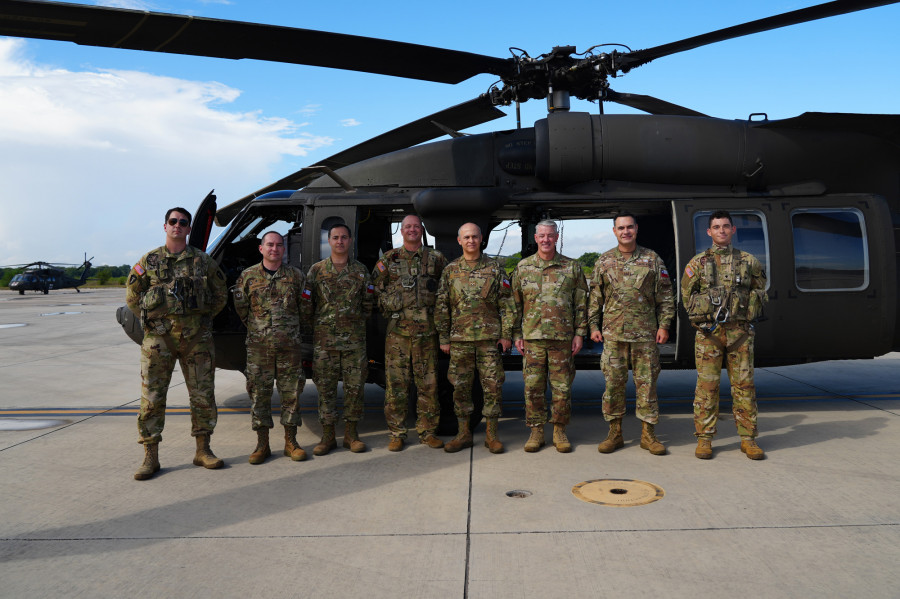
(176, 290)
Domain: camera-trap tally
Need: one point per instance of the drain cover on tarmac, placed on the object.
(619, 492)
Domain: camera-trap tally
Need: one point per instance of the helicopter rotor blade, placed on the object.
(649, 104)
(199, 36)
(462, 116)
(637, 58)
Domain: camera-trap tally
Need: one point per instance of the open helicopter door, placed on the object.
(202, 223)
(831, 268)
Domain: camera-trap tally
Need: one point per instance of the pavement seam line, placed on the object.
(849, 397)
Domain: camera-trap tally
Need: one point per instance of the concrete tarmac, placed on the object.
(819, 517)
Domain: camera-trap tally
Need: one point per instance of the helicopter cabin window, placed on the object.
(830, 250)
(751, 234)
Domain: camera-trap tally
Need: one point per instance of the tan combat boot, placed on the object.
(327, 443)
(351, 438)
(462, 439)
(704, 448)
(753, 451)
(204, 455)
(649, 440)
(536, 440)
(262, 450)
(292, 449)
(151, 462)
(395, 444)
(560, 440)
(614, 440)
(490, 439)
(431, 441)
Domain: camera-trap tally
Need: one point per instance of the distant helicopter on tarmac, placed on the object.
(43, 276)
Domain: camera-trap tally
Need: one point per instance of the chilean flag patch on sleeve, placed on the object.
(370, 289)
(664, 273)
(505, 283)
(306, 294)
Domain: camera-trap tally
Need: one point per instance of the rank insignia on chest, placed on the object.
(307, 293)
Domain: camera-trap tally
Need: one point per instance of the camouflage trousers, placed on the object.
(739, 362)
(465, 358)
(348, 365)
(272, 360)
(410, 359)
(197, 366)
(644, 359)
(543, 356)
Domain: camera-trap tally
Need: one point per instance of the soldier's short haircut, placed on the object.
(262, 239)
(719, 214)
(177, 209)
(342, 225)
(547, 223)
(459, 231)
(624, 215)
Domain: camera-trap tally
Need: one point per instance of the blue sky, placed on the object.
(96, 143)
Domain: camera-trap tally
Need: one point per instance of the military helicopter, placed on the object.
(43, 276)
(815, 197)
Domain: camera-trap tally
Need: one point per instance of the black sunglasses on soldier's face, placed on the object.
(181, 221)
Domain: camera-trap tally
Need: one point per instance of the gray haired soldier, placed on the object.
(632, 294)
(551, 322)
(723, 291)
(474, 313)
(338, 300)
(177, 290)
(406, 283)
(267, 298)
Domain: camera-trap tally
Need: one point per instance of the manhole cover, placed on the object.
(620, 492)
(28, 424)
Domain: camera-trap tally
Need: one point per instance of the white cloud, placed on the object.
(350, 123)
(90, 160)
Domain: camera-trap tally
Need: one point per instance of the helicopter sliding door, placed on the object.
(830, 265)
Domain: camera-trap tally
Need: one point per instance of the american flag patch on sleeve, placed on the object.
(139, 269)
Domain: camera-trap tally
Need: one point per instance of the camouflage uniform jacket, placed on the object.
(337, 303)
(186, 288)
(551, 299)
(406, 285)
(474, 302)
(724, 276)
(269, 304)
(632, 296)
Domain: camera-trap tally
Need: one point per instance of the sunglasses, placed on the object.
(178, 221)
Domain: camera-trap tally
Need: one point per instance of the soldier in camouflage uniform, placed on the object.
(723, 291)
(406, 282)
(474, 313)
(631, 294)
(551, 322)
(176, 290)
(338, 300)
(267, 298)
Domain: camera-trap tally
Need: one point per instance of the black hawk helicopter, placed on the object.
(43, 276)
(815, 197)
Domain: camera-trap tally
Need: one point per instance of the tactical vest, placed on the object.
(176, 288)
(413, 283)
(720, 302)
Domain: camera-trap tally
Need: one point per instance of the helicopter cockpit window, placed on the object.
(751, 236)
(830, 250)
